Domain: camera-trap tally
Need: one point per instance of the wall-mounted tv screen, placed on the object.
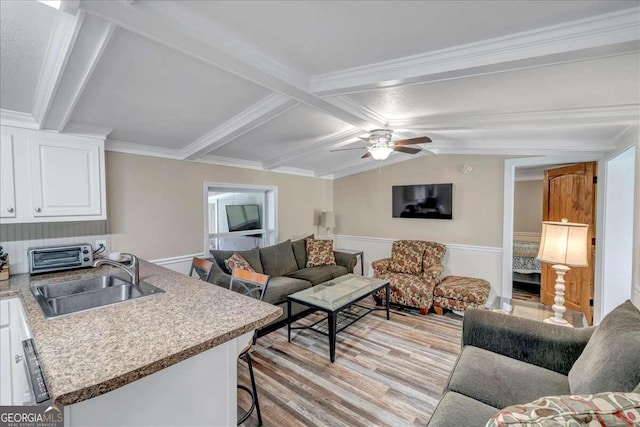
(243, 217)
(434, 201)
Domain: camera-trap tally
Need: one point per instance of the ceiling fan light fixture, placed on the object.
(380, 152)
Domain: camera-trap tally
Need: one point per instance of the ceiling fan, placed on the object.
(380, 145)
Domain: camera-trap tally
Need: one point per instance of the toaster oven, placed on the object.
(56, 258)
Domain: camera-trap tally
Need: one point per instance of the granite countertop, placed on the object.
(90, 353)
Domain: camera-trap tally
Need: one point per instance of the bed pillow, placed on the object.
(609, 409)
(320, 252)
(237, 261)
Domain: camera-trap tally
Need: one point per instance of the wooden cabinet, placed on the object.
(7, 181)
(14, 381)
(49, 177)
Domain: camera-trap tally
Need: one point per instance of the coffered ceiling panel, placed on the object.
(323, 36)
(153, 95)
(326, 162)
(599, 82)
(25, 28)
(289, 131)
(590, 133)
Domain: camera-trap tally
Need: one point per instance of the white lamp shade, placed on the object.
(327, 220)
(564, 243)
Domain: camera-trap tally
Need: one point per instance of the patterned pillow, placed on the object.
(406, 256)
(320, 252)
(237, 261)
(610, 408)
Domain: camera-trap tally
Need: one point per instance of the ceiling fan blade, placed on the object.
(345, 149)
(367, 154)
(407, 150)
(420, 140)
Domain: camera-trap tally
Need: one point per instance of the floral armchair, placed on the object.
(413, 270)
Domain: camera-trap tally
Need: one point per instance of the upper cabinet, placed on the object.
(48, 177)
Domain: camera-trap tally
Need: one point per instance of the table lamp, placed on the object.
(327, 220)
(564, 245)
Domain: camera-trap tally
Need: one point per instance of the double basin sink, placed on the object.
(58, 299)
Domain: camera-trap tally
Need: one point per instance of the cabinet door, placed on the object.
(65, 177)
(7, 181)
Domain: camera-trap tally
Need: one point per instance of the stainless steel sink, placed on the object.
(57, 299)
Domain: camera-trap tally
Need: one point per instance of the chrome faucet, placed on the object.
(132, 270)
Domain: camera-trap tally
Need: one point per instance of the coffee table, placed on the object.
(337, 298)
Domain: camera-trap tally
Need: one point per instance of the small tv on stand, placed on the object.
(428, 201)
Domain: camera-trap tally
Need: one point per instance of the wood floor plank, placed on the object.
(386, 373)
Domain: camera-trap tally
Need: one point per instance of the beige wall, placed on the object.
(636, 249)
(527, 207)
(362, 202)
(155, 205)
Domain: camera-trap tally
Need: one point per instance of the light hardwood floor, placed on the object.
(386, 373)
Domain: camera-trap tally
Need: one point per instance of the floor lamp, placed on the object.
(564, 245)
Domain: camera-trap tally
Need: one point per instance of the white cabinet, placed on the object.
(15, 388)
(49, 177)
(7, 182)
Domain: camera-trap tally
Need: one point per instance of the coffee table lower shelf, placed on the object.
(338, 319)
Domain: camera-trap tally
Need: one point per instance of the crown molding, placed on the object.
(254, 116)
(592, 116)
(90, 131)
(319, 144)
(17, 119)
(141, 149)
(583, 38)
(61, 42)
(83, 59)
(249, 164)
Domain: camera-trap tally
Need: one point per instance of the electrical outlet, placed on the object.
(100, 242)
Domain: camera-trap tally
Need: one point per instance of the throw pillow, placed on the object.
(610, 360)
(252, 256)
(320, 252)
(300, 251)
(237, 261)
(278, 260)
(608, 409)
(406, 256)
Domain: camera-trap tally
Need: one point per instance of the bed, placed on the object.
(526, 268)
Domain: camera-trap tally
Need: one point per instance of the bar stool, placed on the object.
(253, 285)
(203, 267)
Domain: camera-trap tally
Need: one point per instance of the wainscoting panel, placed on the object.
(484, 262)
(181, 264)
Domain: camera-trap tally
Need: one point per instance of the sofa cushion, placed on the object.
(278, 260)
(500, 381)
(456, 410)
(610, 360)
(320, 252)
(608, 409)
(236, 261)
(252, 256)
(320, 274)
(300, 251)
(433, 254)
(406, 256)
(280, 287)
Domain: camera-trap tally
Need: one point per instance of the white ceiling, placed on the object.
(327, 36)
(271, 84)
(25, 28)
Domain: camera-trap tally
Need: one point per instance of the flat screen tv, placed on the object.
(433, 201)
(243, 217)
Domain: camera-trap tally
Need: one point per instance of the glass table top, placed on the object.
(338, 292)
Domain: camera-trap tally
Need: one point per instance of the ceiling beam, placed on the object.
(592, 116)
(61, 42)
(256, 115)
(518, 147)
(602, 35)
(320, 144)
(173, 25)
(95, 35)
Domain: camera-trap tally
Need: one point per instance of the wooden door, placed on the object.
(570, 192)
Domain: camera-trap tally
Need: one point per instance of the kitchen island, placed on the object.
(165, 359)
